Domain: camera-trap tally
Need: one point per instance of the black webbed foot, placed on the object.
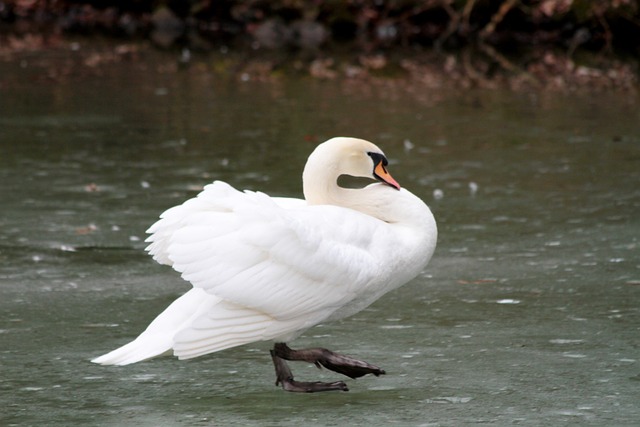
(284, 377)
(339, 363)
(345, 365)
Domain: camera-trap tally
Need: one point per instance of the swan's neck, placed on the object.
(320, 187)
(376, 200)
(320, 184)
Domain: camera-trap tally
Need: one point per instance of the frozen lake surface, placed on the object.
(529, 313)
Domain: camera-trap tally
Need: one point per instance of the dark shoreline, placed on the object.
(548, 44)
(466, 69)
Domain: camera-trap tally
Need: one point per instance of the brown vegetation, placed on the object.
(480, 42)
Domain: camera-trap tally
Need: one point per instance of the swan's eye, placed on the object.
(377, 158)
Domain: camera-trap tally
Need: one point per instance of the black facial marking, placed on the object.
(377, 158)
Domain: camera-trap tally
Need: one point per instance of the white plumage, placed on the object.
(266, 268)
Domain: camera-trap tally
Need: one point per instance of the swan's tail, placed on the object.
(199, 323)
(158, 338)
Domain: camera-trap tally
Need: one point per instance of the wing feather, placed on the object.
(283, 260)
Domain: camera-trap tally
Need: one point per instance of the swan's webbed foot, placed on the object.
(345, 365)
(284, 377)
(339, 363)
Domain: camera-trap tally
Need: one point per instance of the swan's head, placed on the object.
(342, 156)
(348, 156)
(359, 158)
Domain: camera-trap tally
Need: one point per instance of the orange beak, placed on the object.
(380, 172)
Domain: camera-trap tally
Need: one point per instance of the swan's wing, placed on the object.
(245, 248)
(171, 219)
(218, 197)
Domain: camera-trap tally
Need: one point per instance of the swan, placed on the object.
(269, 268)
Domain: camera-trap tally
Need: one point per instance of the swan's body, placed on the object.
(266, 268)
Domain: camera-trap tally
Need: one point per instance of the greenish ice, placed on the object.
(528, 314)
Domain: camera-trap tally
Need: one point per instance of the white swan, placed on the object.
(268, 268)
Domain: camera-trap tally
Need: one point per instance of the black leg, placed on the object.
(345, 365)
(284, 377)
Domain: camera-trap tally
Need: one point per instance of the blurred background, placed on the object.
(472, 42)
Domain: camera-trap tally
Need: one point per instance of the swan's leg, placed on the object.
(284, 377)
(339, 363)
